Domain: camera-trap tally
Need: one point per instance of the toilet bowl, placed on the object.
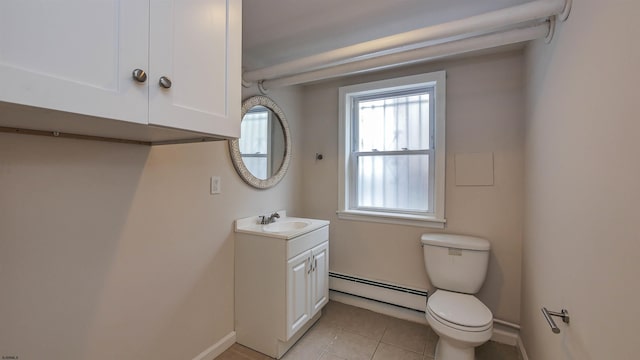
(457, 267)
(461, 321)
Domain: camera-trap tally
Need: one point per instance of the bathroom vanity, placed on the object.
(281, 280)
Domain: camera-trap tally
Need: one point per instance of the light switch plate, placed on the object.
(216, 185)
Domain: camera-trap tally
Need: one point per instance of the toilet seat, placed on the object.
(456, 339)
(463, 312)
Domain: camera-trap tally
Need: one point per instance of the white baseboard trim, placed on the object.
(504, 335)
(381, 308)
(522, 350)
(218, 348)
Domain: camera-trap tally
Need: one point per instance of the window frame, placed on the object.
(347, 177)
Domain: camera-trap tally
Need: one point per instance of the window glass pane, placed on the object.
(397, 182)
(256, 165)
(393, 123)
(255, 134)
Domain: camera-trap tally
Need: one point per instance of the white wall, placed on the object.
(112, 251)
(485, 113)
(582, 240)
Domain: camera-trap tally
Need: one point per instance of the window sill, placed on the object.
(392, 218)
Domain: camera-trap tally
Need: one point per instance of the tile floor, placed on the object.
(346, 332)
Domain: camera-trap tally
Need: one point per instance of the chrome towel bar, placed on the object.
(564, 314)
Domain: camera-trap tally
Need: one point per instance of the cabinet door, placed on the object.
(298, 292)
(75, 56)
(196, 44)
(320, 277)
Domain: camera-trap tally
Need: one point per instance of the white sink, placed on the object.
(286, 226)
(283, 228)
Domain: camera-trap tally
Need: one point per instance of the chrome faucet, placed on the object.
(264, 219)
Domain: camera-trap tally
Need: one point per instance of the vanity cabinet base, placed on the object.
(283, 347)
(281, 286)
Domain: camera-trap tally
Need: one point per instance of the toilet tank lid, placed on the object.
(456, 241)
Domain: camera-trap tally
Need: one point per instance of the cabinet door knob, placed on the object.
(165, 82)
(139, 75)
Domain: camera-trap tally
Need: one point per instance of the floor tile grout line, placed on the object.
(424, 348)
(374, 351)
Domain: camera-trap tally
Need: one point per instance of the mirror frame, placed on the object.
(234, 147)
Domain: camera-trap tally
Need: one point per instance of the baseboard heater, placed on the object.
(391, 294)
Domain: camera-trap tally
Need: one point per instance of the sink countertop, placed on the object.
(251, 225)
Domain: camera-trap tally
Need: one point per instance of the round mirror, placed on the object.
(262, 154)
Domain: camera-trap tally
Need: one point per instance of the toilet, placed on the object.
(457, 267)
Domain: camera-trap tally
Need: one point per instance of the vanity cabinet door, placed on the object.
(195, 65)
(298, 292)
(76, 56)
(320, 277)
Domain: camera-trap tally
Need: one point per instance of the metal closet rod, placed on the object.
(491, 21)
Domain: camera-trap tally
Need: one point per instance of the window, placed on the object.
(392, 150)
(255, 146)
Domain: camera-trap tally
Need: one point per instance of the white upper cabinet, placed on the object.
(75, 56)
(189, 42)
(78, 56)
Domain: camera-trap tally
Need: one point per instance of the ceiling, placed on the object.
(275, 31)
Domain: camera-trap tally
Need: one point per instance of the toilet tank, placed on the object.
(456, 262)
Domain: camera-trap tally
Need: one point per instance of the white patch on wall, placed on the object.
(474, 169)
